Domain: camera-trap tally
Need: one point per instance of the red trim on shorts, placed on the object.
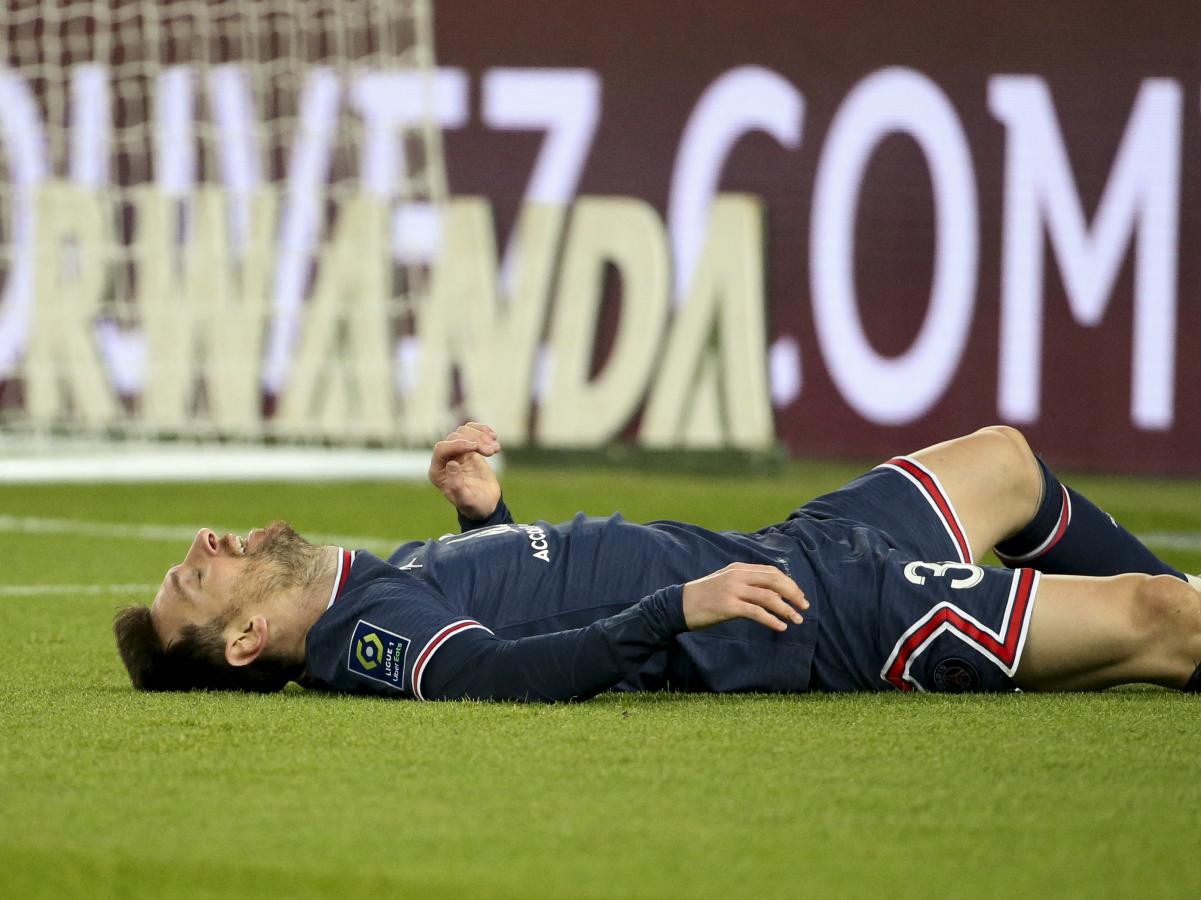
(1002, 648)
(930, 487)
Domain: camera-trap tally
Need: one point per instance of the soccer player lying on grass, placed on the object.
(871, 587)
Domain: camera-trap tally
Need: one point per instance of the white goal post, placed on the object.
(215, 221)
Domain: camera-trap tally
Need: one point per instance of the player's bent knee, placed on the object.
(1166, 612)
(1013, 461)
(1011, 434)
(1013, 443)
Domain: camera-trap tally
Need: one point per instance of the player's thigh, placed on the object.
(1091, 633)
(992, 479)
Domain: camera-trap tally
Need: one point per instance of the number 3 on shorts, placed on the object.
(974, 574)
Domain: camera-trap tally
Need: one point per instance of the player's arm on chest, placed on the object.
(564, 665)
(408, 642)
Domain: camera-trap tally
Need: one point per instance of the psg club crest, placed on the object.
(378, 654)
(956, 676)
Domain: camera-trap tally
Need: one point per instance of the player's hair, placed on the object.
(196, 660)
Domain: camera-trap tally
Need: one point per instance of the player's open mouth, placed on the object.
(254, 538)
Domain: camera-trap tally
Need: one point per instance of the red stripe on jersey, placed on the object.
(433, 644)
(930, 487)
(1002, 647)
(347, 559)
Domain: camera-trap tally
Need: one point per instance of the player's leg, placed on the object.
(1092, 633)
(1007, 498)
(991, 480)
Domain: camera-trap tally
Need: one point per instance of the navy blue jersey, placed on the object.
(553, 612)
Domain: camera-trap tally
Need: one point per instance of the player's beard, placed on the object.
(282, 562)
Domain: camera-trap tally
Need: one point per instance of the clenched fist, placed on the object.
(460, 471)
(762, 594)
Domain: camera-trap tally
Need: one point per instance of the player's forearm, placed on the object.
(499, 516)
(566, 665)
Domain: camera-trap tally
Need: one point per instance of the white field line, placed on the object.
(91, 590)
(173, 534)
(141, 463)
(1172, 540)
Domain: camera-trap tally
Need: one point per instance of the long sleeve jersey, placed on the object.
(508, 611)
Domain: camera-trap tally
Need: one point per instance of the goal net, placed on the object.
(215, 219)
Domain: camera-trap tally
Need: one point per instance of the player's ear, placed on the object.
(243, 647)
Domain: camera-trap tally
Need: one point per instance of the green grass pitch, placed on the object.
(105, 793)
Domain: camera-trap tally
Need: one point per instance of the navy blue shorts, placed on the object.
(906, 605)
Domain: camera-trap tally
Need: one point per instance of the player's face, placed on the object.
(200, 588)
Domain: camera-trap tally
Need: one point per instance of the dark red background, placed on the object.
(655, 60)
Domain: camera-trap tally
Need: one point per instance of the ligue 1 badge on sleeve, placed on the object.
(378, 654)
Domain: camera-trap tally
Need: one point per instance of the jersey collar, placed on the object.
(345, 561)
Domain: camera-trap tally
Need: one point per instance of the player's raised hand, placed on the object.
(762, 594)
(458, 469)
